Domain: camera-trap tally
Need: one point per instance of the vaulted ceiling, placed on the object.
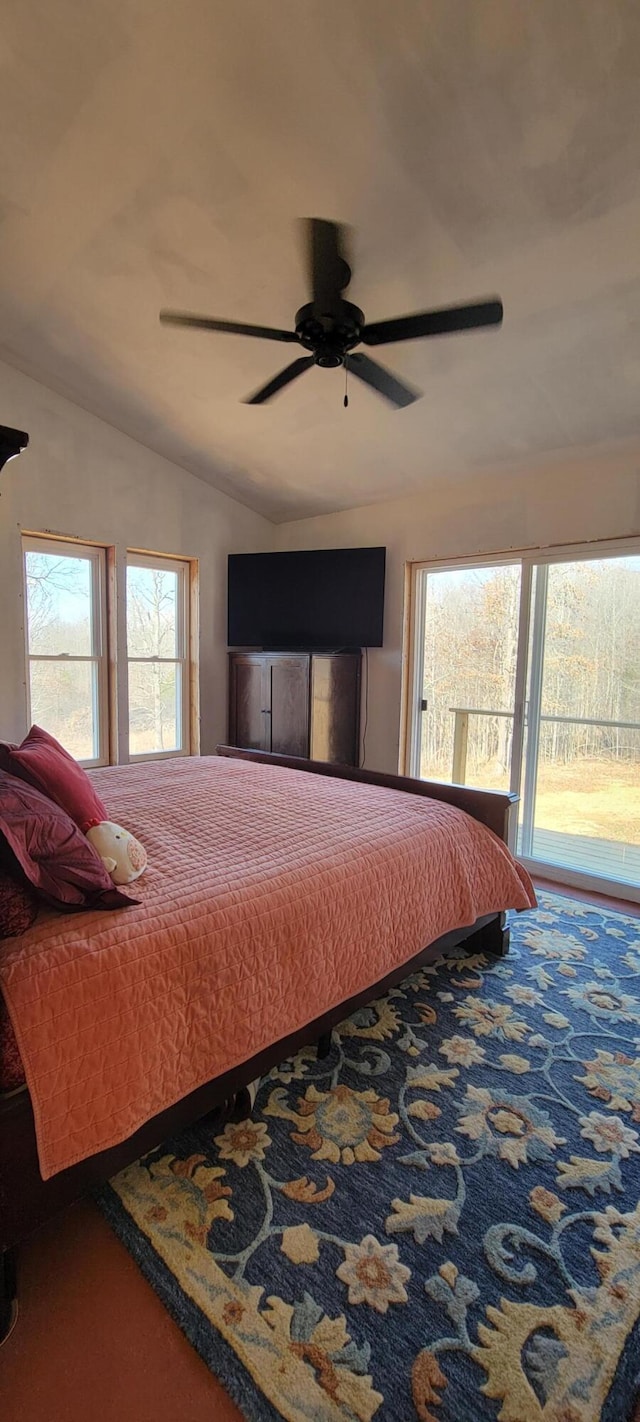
(158, 153)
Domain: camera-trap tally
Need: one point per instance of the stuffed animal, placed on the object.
(123, 856)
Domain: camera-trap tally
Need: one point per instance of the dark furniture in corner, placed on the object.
(304, 704)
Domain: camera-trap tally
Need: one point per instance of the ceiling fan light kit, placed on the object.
(330, 328)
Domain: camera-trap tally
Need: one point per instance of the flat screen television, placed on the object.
(331, 598)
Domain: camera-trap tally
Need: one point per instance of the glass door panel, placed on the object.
(581, 807)
(469, 652)
(528, 678)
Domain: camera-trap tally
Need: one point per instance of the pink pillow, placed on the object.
(18, 906)
(44, 763)
(51, 852)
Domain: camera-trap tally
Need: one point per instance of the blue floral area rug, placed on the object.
(439, 1221)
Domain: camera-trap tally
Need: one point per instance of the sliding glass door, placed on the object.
(581, 788)
(527, 676)
(470, 646)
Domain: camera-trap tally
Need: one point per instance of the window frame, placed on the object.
(96, 555)
(183, 567)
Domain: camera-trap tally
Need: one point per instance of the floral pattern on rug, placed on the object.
(439, 1221)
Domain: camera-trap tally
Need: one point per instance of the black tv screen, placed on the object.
(331, 598)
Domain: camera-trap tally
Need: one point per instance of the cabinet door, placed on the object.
(335, 708)
(289, 703)
(248, 707)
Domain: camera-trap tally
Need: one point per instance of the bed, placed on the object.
(280, 895)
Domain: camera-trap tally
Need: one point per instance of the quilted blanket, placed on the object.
(271, 896)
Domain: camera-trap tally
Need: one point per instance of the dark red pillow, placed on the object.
(51, 852)
(18, 906)
(6, 747)
(44, 763)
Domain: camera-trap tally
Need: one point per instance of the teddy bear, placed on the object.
(123, 856)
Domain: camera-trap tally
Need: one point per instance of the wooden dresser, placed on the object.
(296, 703)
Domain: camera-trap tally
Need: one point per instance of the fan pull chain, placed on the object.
(346, 396)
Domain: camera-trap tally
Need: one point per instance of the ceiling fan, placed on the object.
(330, 328)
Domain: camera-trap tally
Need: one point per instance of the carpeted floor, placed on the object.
(441, 1219)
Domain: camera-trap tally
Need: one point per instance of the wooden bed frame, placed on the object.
(26, 1200)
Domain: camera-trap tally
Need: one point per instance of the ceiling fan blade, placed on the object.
(237, 328)
(433, 323)
(329, 270)
(290, 372)
(381, 380)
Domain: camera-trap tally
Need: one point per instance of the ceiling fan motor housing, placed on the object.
(328, 327)
(333, 334)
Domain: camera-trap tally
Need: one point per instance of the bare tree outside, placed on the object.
(153, 645)
(471, 634)
(60, 626)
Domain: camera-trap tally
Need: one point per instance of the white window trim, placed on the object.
(69, 548)
(183, 661)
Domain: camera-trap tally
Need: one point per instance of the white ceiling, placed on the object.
(158, 152)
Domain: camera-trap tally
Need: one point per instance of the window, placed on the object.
(75, 650)
(158, 655)
(66, 644)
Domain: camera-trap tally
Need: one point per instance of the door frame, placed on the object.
(529, 559)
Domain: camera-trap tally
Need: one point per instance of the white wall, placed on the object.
(81, 477)
(572, 501)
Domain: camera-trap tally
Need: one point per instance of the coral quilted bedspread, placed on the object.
(271, 896)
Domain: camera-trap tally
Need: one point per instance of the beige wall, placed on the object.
(80, 476)
(574, 501)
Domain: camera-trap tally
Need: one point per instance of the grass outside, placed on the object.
(600, 799)
(596, 798)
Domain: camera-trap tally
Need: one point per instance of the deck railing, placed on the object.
(461, 732)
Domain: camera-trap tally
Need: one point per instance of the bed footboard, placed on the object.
(494, 808)
(494, 937)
